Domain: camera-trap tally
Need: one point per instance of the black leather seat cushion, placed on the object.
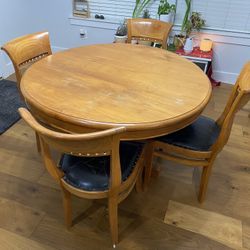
(199, 136)
(92, 173)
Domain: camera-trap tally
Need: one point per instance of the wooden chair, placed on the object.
(198, 144)
(93, 166)
(26, 50)
(148, 30)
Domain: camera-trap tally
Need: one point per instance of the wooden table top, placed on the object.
(101, 86)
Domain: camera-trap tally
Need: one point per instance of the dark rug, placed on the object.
(10, 101)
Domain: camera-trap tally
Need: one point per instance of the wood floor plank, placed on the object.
(246, 130)
(11, 241)
(17, 147)
(38, 197)
(18, 218)
(24, 132)
(142, 233)
(234, 154)
(229, 196)
(154, 234)
(215, 226)
(237, 130)
(31, 194)
(55, 234)
(239, 142)
(46, 180)
(21, 167)
(246, 235)
(175, 171)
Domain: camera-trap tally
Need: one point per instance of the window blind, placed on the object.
(118, 10)
(224, 14)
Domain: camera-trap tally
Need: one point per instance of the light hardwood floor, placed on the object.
(166, 216)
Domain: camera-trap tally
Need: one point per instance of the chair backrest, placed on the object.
(25, 50)
(88, 145)
(239, 97)
(148, 30)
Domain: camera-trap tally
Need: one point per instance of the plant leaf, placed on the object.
(186, 17)
(139, 7)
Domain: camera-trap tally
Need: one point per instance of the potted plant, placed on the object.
(146, 14)
(140, 5)
(179, 40)
(121, 33)
(166, 11)
(194, 23)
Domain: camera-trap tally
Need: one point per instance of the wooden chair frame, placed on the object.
(149, 30)
(239, 97)
(24, 51)
(88, 145)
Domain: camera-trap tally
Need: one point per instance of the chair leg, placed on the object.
(206, 172)
(38, 145)
(148, 161)
(113, 219)
(67, 208)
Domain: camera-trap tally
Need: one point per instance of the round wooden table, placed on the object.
(149, 91)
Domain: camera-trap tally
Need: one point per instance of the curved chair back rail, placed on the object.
(198, 144)
(91, 166)
(149, 30)
(239, 97)
(26, 50)
(87, 145)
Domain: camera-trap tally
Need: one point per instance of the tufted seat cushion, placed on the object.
(199, 136)
(92, 173)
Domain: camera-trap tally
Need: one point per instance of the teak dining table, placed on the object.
(150, 91)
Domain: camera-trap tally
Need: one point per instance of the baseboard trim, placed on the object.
(225, 77)
(57, 49)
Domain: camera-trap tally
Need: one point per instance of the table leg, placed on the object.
(148, 163)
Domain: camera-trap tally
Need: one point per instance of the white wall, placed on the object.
(13, 22)
(231, 52)
(18, 17)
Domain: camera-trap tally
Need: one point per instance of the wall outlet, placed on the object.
(83, 33)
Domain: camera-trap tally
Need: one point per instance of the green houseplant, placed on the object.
(121, 33)
(191, 21)
(187, 14)
(140, 5)
(179, 40)
(146, 14)
(166, 11)
(194, 23)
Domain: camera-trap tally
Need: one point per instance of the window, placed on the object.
(118, 10)
(224, 14)
(221, 15)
